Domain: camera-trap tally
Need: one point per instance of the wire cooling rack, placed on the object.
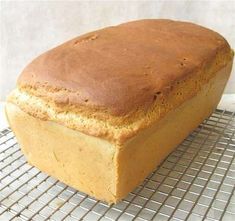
(195, 182)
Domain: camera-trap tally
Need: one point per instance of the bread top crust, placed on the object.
(121, 70)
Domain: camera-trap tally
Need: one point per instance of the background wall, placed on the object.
(29, 28)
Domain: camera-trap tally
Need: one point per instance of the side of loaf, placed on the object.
(94, 106)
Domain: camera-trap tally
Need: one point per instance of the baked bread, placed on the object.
(101, 111)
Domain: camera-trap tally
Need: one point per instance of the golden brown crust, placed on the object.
(119, 71)
(144, 70)
(116, 129)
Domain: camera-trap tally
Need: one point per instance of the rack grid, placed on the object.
(195, 182)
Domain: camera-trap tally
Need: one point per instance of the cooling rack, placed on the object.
(195, 182)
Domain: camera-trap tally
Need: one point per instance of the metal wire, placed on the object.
(195, 182)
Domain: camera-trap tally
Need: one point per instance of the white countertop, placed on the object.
(3, 120)
(227, 103)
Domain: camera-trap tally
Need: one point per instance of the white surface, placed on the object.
(29, 28)
(227, 103)
(3, 120)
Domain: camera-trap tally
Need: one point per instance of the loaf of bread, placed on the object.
(101, 111)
